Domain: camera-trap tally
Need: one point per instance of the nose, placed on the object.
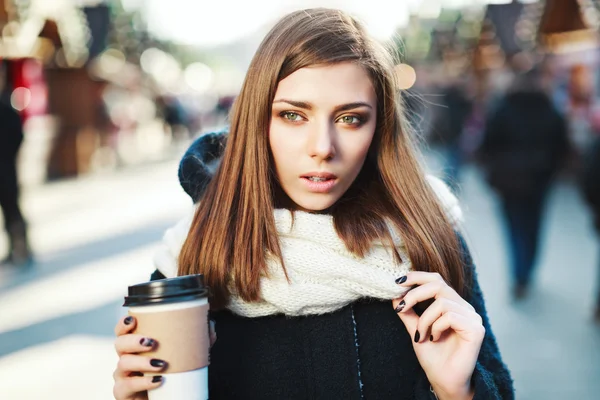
(322, 142)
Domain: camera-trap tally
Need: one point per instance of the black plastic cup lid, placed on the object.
(173, 290)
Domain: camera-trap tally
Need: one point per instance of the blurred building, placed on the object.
(569, 25)
(78, 79)
(568, 29)
(47, 45)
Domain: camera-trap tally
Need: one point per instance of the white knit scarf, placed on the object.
(323, 275)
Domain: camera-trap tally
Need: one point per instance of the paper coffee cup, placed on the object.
(174, 312)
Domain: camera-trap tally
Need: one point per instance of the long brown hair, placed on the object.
(233, 231)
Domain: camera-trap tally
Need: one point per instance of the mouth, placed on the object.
(319, 182)
(319, 176)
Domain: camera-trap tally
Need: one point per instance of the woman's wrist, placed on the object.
(465, 392)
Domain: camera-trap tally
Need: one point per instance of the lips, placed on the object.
(319, 176)
(319, 182)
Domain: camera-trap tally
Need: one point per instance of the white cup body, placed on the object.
(189, 385)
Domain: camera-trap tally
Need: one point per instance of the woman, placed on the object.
(322, 240)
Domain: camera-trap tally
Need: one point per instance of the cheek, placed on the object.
(360, 150)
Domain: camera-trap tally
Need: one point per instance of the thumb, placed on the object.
(408, 317)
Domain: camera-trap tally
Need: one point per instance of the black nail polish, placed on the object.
(401, 280)
(417, 336)
(400, 306)
(128, 320)
(147, 342)
(431, 338)
(157, 363)
(156, 379)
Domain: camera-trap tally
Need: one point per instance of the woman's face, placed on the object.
(322, 124)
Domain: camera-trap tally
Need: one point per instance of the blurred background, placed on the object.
(99, 99)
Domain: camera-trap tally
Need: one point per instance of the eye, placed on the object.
(291, 116)
(350, 120)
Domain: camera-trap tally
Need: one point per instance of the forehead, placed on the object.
(326, 85)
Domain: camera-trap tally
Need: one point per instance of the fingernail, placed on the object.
(400, 306)
(147, 342)
(157, 363)
(156, 379)
(128, 320)
(417, 336)
(431, 338)
(401, 280)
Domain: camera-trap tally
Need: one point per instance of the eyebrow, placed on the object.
(308, 106)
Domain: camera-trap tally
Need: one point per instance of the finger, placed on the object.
(133, 343)
(431, 290)
(125, 325)
(437, 309)
(468, 328)
(126, 388)
(129, 363)
(418, 278)
(410, 318)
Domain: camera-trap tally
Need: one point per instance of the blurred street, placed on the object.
(99, 99)
(95, 235)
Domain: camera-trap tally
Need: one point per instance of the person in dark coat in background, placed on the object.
(590, 184)
(447, 129)
(524, 145)
(11, 136)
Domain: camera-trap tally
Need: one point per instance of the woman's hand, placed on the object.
(447, 336)
(129, 382)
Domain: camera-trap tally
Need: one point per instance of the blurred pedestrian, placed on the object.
(448, 127)
(591, 190)
(174, 115)
(524, 145)
(319, 234)
(11, 136)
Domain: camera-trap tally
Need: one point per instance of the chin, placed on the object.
(316, 205)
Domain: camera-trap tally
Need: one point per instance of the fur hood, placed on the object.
(199, 161)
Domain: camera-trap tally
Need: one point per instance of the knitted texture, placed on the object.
(323, 275)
